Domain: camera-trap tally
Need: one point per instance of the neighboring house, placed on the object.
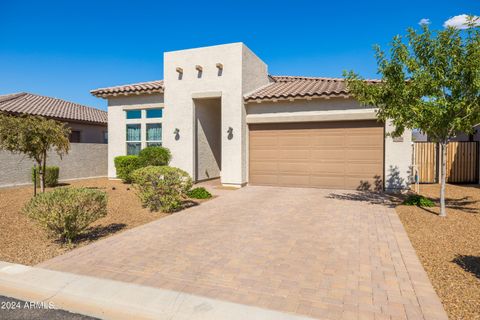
(88, 125)
(419, 136)
(222, 115)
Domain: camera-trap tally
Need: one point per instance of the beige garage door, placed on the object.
(338, 155)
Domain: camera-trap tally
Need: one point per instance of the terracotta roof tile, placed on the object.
(27, 103)
(128, 89)
(285, 87)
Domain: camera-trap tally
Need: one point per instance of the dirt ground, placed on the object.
(22, 241)
(449, 248)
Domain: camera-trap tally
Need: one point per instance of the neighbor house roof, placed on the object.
(28, 103)
(148, 87)
(286, 87)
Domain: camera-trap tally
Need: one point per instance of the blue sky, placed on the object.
(66, 48)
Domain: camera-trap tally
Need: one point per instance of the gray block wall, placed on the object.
(84, 160)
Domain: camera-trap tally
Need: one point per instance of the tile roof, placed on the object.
(155, 86)
(285, 87)
(28, 103)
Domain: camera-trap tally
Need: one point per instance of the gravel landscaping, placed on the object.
(22, 241)
(449, 248)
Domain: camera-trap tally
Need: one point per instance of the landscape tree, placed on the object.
(431, 82)
(33, 136)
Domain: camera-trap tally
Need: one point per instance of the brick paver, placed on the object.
(320, 253)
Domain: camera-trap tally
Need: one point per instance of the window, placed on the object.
(134, 114)
(133, 139)
(105, 136)
(154, 134)
(154, 113)
(74, 136)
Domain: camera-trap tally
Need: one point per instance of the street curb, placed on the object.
(109, 299)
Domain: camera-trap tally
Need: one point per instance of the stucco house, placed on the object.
(223, 115)
(87, 124)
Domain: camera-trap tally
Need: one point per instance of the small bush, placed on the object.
(419, 201)
(125, 165)
(154, 156)
(66, 212)
(162, 188)
(51, 176)
(199, 193)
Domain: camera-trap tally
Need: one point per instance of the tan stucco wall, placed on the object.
(209, 138)
(84, 160)
(89, 133)
(241, 71)
(117, 123)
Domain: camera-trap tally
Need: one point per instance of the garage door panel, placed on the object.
(264, 141)
(299, 154)
(327, 154)
(364, 141)
(320, 140)
(328, 182)
(294, 180)
(340, 155)
(327, 168)
(263, 167)
(293, 167)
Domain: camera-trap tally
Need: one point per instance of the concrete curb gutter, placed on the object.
(108, 299)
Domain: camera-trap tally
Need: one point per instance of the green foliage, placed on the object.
(33, 136)
(51, 176)
(125, 165)
(154, 156)
(66, 212)
(162, 188)
(199, 193)
(431, 82)
(419, 201)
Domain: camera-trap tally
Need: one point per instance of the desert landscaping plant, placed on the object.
(154, 156)
(51, 176)
(125, 165)
(431, 82)
(33, 136)
(418, 200)
(162, 188)
(199, 193)
(67, 212)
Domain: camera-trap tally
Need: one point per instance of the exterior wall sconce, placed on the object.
(230, 133)
(176, 132)
(219, 65)
(179, 70)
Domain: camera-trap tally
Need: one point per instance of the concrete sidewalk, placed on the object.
(108, 299)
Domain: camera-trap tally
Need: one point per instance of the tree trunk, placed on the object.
(42, 174)
(443, 177)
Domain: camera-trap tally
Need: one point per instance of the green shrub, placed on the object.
(418, 200)
(154, 156)
(125, 165)
(199, 193)
(51, 176)
(66, 212)
(161, 188)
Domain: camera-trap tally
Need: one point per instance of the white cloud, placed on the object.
(424, 21)
(460, 21)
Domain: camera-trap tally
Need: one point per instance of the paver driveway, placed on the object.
(320, 253)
